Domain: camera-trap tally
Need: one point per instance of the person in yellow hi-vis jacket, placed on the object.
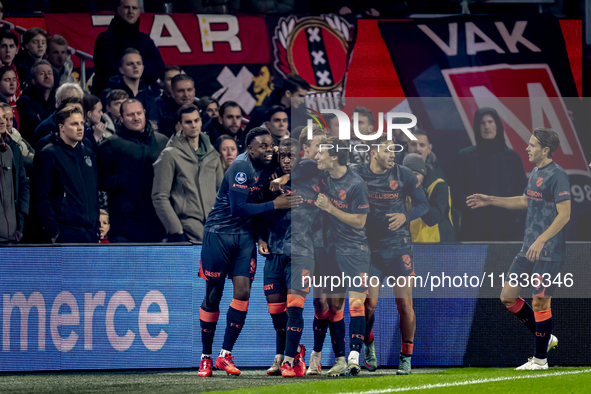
(437, 224)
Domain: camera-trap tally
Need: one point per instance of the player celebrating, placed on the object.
(547, 200)
(345, 203)
(289, 261)
(229, 247)
(388, 234)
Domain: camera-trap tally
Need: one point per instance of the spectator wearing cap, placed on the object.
(436, 225)
(187, 175)
(65, 184)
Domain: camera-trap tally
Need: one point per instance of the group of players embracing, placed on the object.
(310, 215)
(316, 216)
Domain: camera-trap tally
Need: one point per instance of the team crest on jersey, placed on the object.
(393, 184)
(88, 161)
(539, 182)
(240, 178)
(316, 188)
(343, 195)
(314, 47)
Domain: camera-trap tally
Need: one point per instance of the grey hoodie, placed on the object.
(185, 185)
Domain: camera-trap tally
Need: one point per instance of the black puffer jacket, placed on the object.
(493, 169)
(126, 174)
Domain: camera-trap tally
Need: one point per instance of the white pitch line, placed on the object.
(467, 382)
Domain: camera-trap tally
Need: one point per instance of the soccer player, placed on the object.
(229, 246)
(388, 234)
(344, 200)
(541, 259)
(286, 265)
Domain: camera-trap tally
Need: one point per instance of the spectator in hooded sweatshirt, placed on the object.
(65, 184)
(124, 32)
(33, 49)
(488, 168)
(129, 80)
(38, 100)
(126, 174)
(182, 89)
(184, 178)
(14, 186)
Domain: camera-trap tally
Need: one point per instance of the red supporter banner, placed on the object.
(183, 39)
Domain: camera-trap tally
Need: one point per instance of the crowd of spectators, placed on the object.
(141, 158)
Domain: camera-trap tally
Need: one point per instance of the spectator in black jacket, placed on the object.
(183, 92)
(131, 69)
(14, 186)
(489, 168)
(229, 122)
(33, 49)
(293, 91)
(126, 174)
(37, 101)
(124, 32)
(65, 184)
(170, 71)
(65, 92)
(276, 122)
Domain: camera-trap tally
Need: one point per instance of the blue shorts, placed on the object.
(352, 262)
(227, 255)
(391, 263)
(283, 273)
(541, 273)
